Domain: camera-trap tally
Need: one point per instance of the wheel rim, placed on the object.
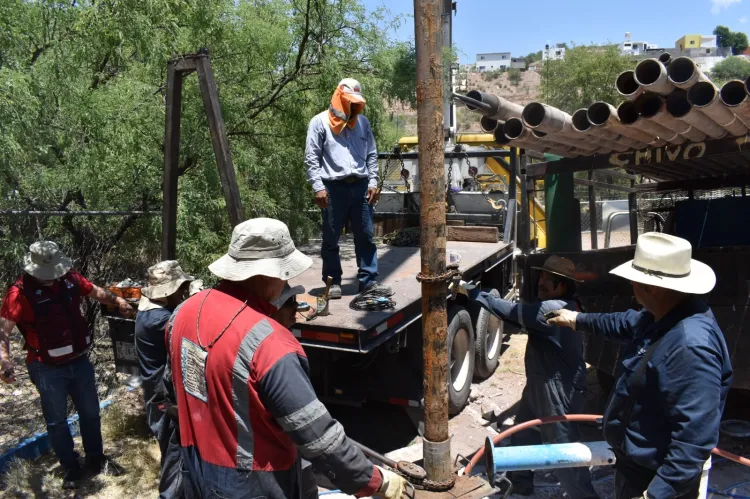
(460, 359)
(492, 338)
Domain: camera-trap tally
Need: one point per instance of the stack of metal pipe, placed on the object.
(667, 101)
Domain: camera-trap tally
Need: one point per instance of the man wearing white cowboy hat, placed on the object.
(247, 409)
(555, 371)
(45, 303)
(663, 418)
(168, 286)
(342, 167)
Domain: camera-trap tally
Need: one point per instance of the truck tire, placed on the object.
(489, 334)
(460, 358)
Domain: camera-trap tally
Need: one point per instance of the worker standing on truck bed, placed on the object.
(555, 371)
(246, 405)
(45, 303)
(168, 286)
(663, 417)
(342, 167)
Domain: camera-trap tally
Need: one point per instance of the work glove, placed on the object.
(393, 486)
(470, 290)
(562, 318)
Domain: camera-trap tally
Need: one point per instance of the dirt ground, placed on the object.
(387, 429)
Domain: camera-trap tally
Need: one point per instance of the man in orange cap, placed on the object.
(342, 167)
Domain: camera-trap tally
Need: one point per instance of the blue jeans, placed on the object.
(54, 384)
(348, 202)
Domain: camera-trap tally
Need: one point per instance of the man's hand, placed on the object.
(321, 199)
(393, 487)
(7, 372)
(373, 193)
(125, 309)
(562, 318)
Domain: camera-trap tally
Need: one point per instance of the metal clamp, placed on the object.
(444, 277)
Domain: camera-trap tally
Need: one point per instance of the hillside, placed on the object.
(404, 118)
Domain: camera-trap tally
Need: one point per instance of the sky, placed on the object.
(525, 26)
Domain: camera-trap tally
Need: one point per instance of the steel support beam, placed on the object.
(436, 445)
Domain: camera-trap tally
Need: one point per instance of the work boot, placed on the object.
(335, 292)
(72, 476)
(103, 464)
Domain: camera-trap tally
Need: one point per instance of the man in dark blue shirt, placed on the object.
(168, 286)
(663, 417)
(555, 371)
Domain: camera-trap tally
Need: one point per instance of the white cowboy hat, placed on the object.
(561, 266)
(666, 261)
(45, 261)
(261, 246)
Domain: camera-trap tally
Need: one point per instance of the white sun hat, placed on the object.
(46, 261)
(666, 261)
(261, 246)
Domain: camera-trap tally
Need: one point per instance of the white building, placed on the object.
(493, 61)
(630, 47)
(553, 53)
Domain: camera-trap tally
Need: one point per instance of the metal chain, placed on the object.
(444, 277)
(404, 172)
(495, 204)
(384, 174)
(427, 484)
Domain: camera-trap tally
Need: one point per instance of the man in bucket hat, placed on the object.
(555, 371)
(45, 303)
(342, 167)
(168, 286)
(247, 409)
(663, 418)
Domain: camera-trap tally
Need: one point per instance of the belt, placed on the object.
(351, 179)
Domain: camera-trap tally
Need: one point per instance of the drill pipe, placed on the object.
(628, 114)
(550, 120)
(704, 96)
(653, 107)
(665, 58)
(627, 86)
(679, 107)
(604, 115)
(651, 75)
(488, 125)
(499, 108)
(610, 140)
(734, 95)
(683, 73)
(428, 43)
(519, 136)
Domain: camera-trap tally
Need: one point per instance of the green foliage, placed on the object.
(514, 76)
(728, 38)
(82, 89)
(533, 57)
(493, 74)
(586, 75)
(401, 85)
(731, 68)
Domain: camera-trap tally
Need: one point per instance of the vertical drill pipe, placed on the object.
(427, 29)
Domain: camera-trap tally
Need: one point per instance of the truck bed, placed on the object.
(349, 329)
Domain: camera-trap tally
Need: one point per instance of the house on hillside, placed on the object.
(518, 63)
(635, 48)
(696, 42)
(493, 61)
(553, 53)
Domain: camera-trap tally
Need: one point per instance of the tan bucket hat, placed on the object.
(164, 279)
(666, 261)
(46, 261)
(561, 266)
(261, 246)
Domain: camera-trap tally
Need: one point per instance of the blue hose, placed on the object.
(329, 492)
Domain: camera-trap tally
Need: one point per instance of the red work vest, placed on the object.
(60, 326)
(226, 420)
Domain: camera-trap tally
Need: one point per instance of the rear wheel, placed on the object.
(489, 341)
(460, 358)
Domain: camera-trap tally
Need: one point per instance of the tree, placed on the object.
(727, 38)
(514, 76)
(731, 68)
(533, 57)
(587, 74)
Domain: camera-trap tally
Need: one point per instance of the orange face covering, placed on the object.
(344, 110)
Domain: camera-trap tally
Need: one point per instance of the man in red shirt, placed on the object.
(247, 409)
(45, 304)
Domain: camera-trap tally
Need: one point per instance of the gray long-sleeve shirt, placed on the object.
(333, 157)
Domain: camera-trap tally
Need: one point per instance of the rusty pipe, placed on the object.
(704, 96)
(628, 114)
(652, 76)
(429, 76)
(734, 95)
(653, 107)
(488, 125)
(665, 58)
(604, 115)
(627, 86)
(497, 107)
(679, 107)
(684, 73)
